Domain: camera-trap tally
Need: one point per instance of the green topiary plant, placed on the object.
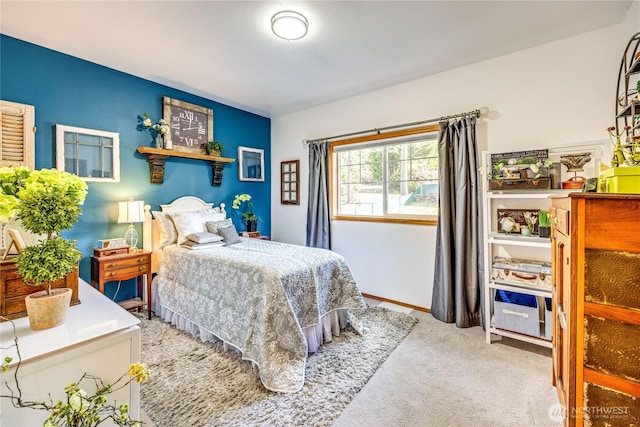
(214, 146)
(47, 201)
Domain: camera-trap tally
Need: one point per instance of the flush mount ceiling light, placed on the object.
(289, 25)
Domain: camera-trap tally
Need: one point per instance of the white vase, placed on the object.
(168, 145)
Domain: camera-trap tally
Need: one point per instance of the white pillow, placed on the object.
(168, 233)
(204, 237)
(193, 222)
(190, 244)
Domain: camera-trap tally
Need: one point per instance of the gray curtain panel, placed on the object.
(318, 219)
(457, 282)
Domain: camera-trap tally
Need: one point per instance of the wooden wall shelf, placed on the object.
(158, 157)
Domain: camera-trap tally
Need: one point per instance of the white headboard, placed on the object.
(151, 232)
(189, 203)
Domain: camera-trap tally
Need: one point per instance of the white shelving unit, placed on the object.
(513, 246)
(516, 246)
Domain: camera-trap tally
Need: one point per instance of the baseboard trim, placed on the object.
(404, 304)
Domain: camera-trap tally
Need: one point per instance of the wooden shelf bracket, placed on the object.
(158, 158)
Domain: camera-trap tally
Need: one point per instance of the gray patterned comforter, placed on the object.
(258, 296)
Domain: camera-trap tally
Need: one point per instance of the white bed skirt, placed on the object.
(330, 325)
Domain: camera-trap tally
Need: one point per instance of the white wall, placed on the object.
(631, 23)
(560, 93)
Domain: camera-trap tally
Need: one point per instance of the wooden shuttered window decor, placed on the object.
(17, 140)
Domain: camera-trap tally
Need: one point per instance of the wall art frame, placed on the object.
(251, 164)
(93, 155)
(290, 182)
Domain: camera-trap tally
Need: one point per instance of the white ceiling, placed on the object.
(225, 51)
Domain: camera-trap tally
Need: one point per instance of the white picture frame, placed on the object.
(93, 155)
(251, 164)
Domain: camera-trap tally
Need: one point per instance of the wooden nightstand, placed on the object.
(256, 235)
(124, 266)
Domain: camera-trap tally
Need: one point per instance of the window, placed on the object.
(93, 155)
(387, 178)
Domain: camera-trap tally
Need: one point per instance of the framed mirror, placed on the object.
(290, 182)
(250, 164)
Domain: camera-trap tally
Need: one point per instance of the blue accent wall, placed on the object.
(70, 91)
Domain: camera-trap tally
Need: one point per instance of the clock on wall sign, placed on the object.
(191, 125)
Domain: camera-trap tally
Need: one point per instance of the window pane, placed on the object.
(107, 161)
(92, 166)
(89, 139)
(395, 179)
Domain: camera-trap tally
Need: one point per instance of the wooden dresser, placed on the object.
(13, 290)
(596, 308)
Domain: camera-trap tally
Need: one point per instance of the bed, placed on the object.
(275, 303)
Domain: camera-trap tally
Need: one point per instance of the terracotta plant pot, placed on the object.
(47, 311)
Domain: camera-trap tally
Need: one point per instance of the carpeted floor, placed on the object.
(445, 376)
(198, 384)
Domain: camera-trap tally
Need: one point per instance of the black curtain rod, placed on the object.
(406, 125)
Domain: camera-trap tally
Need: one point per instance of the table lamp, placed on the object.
(129, 212)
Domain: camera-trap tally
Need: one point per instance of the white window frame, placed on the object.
(60, 150)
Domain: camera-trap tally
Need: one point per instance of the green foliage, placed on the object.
(49, 261)
(214, 146)
(241, 199)
(526, 161)
(11, 181)
(543, 219)
(47, 201)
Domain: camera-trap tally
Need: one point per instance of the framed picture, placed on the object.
(519, 217)
(93, 155)
(15, 240)
(250, 164)
(191, 125)
(290, 182)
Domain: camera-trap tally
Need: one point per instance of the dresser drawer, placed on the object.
(115, 263)
(125, 272)
(560, 218)
(100, 252)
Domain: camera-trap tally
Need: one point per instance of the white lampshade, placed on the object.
(289, 25)
(130, 211)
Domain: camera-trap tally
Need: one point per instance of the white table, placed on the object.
(99, 338)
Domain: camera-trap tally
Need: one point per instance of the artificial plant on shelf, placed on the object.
(214, 147)
(250, 218)
(159, 129)
(540, 168)
(79, 408)
(544, 224)
(46, 201)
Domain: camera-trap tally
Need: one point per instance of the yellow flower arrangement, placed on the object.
(247, 215)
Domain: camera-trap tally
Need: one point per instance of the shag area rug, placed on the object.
(198, 384)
